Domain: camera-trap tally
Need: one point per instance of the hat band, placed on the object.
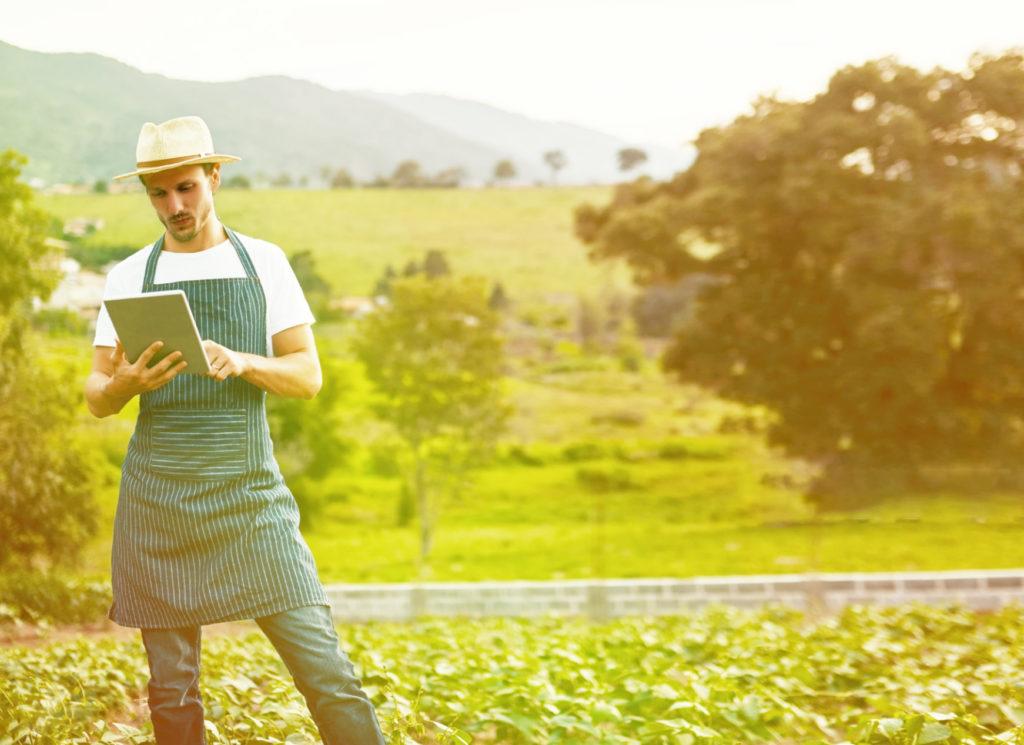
(169, 161)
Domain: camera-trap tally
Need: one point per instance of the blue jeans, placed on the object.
(308, 644)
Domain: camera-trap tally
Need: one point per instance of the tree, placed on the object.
(869, 251)
(100, 186)
(383, 285)
(282, 180)
(435, 357)
(238, 181)
(309, 439)
(47, 509)
(499, 300)
(315, 287)
(629, 157)
(435, 264)
(449, 178)
(407, 174)
(590, 320)
(342, 179)
(504, 171)
(556, 161)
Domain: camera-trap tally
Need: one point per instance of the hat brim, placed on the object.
(215, 158)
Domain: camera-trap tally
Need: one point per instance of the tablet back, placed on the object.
(140, 320)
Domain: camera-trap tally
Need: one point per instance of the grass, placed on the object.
(689, 500)
(521, 236)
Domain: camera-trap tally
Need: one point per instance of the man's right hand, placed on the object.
(129, 379)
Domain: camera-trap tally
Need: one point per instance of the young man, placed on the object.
(206, 529)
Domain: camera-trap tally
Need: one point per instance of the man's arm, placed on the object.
(293, 371)
(114, 381)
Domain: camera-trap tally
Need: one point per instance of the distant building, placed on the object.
(80, 290)
(81, 226)
(354, 306)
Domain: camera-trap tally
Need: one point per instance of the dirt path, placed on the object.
(30, 635)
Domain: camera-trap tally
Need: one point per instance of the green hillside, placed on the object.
(522, 237)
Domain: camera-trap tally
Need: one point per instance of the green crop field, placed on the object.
(912, 675)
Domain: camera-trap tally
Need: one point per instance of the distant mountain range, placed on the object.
(77, 117)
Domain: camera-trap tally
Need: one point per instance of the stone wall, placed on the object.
(978, 589)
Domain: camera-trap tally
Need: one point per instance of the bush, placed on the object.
(36, 597)
(605, 478)
(620, 418)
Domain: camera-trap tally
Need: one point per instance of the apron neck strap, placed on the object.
(154, 257)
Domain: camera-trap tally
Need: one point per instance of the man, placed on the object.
(206, 529)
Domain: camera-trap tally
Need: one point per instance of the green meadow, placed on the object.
(604, 471)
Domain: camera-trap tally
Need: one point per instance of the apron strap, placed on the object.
(154, 256)
(243, 255)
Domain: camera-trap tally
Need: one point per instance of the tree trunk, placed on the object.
(426, 526)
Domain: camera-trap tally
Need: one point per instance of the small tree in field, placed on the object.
(435, 357)
(504, 171)
(630, 157)
(556, 161)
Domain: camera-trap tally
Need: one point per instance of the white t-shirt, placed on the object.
(286, 304)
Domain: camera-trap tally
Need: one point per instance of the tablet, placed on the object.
(140, 320)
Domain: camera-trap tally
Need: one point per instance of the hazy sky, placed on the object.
(650, 71)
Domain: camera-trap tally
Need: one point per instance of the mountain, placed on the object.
(77, 117)
(590, 155)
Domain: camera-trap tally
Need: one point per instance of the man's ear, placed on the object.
(215, 177)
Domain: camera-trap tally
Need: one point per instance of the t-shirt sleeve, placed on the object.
(287, 306)
(117, 285)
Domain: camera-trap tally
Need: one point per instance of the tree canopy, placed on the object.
(867, 247)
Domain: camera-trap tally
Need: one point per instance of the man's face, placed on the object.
(183, 198)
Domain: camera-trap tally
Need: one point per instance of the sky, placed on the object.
(648, 71)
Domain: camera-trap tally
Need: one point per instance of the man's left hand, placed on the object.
(224, 362)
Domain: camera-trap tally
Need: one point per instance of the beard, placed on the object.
(185, 233)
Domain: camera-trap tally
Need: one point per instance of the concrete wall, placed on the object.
(978, 589)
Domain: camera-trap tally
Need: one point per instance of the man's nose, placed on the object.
(173, 203)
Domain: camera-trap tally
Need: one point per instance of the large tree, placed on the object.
(868, 251)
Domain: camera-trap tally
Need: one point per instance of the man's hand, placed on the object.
(132, 378)
(224, 362)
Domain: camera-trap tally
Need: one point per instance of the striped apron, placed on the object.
(206, 529)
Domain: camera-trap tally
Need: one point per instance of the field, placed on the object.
(909, 675)
(605, 471)
(588, 438)
(521, 236)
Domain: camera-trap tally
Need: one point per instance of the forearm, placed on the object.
(295, 375)
(100, 400)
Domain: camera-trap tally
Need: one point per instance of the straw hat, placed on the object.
(176, 142)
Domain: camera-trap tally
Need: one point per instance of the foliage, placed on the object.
(47, 475)
(47, 511)
(309, 436)
(342, 179)
(909, 674)
(630, 157)
(52, 597)
(869, 247)
(504, 170)
(314, 286)
(435, 355)
(238, 181)
(98, 257)
(556, 161)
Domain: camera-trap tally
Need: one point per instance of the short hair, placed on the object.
(207, 167)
